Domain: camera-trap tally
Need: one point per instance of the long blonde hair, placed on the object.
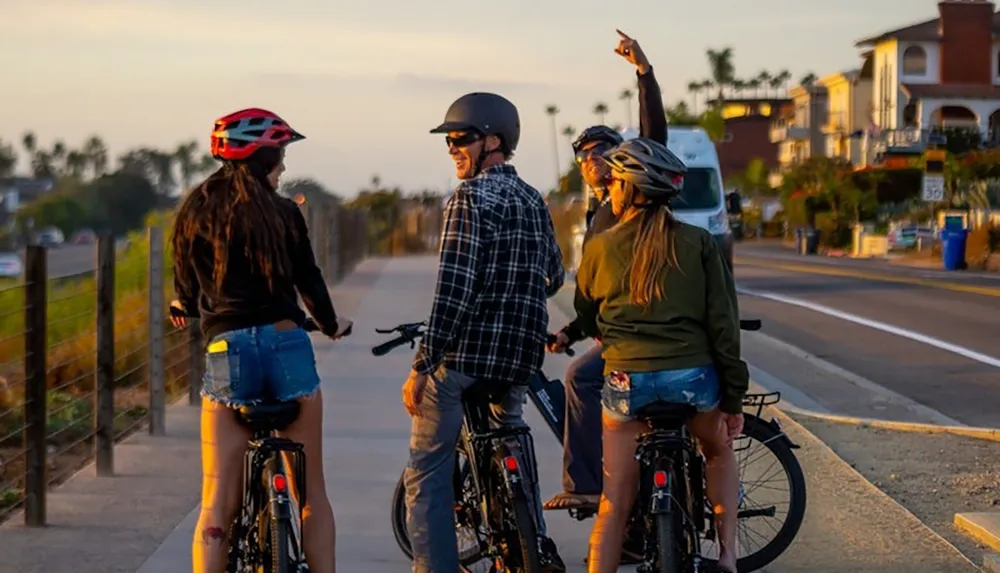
(654, 250)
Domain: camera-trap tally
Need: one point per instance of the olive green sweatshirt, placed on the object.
(695, 324)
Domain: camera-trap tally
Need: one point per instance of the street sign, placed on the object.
(933, 188)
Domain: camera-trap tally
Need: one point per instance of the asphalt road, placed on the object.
(878, 325)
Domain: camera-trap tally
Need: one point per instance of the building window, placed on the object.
(914, 61)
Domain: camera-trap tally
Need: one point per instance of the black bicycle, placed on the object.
(492, 474)
(760, 441)
(266, 535)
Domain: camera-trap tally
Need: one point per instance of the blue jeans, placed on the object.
(582, 464)
(430, 494)
(626, 393)
(257, 364)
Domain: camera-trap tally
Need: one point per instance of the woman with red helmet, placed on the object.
(242, 258)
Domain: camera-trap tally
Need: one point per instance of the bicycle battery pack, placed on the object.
(549, 397)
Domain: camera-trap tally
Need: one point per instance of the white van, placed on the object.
(702, 202)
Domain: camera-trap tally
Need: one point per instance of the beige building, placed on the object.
(849, 97)
(798, 128)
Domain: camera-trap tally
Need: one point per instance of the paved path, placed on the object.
(142, 521)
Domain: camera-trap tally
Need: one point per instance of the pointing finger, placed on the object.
(622, 34)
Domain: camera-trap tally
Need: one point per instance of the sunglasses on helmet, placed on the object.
(464, 140)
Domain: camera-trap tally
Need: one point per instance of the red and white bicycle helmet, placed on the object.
(238, 135)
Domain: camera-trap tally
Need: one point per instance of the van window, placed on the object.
(701, 190)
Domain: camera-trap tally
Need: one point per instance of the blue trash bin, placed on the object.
(953, 248)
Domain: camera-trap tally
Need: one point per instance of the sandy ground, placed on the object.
(932, 475)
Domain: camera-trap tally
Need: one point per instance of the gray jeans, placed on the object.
(430, 495)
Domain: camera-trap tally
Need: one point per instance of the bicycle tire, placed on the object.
(525, 529)
(399, 519)
(280, 536)
(766, 434)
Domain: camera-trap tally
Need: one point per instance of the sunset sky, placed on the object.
(365, 80)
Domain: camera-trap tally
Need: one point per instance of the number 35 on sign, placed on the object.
(933, 188)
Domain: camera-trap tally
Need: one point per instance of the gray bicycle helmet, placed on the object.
(490, 114)
(648, 165)
(596, 133)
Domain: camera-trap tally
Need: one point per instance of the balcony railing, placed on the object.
(785, 132)
(916, 140)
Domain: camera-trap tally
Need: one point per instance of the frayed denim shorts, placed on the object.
(259, 364)
(626, 393)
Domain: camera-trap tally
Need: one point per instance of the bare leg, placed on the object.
(722, 481)
(319, 532)
(223, 444)
(621, 478)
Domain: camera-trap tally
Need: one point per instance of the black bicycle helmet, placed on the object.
(650, 166)
(597, 133)
(489, 114)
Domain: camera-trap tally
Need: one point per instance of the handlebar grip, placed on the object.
(389, 346)
(310, 325)
(751, 324)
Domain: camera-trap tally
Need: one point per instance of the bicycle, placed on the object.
(492, 503)
(549, 397)
(672, 479)
(266, 535)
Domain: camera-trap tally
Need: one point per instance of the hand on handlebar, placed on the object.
(178, 316)
(558, 343)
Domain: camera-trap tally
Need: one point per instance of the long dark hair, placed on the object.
(237, 201)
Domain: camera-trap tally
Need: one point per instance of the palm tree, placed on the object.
(626, 96)
(706, 86)
(808, 80)
(695, 88)
(723, 72)
(184, 156)
(30, 142)
(783, 78)
(97, 155)
(568, 132)
(739, 87)
(41, 165)
(8, 159)
(206, 164)
(764, 79)
(776, 83)
(601, 111)
(754, 84)
(76, 163)
(552, 111)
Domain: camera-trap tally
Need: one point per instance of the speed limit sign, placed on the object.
(933, 188)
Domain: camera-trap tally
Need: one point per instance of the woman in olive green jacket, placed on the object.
(661, 298)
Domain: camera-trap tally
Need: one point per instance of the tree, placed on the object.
(680, 115)
(695, 88)
(8, 159)
(552, 111)
(764, 79)
(713, 123)
(601, 111)
(185, 158)
(76, 164)
(568, 132)
(97, 155)
(754, 180)
(119, 202)
(781, 80)
(723, 72)
(754, 84)
(626, 96)
(808, 80)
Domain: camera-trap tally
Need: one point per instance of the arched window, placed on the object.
(914, 61)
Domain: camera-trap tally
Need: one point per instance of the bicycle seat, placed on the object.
(666, 412)
(268, 416)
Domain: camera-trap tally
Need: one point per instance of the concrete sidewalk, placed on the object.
(144, 522)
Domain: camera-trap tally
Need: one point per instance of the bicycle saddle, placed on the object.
(268, 416)
(666, 412)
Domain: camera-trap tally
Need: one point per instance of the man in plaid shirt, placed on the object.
(499, 263)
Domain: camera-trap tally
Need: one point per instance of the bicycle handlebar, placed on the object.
(411, 331)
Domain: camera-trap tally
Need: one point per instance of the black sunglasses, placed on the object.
(595, 151)
(464, 140)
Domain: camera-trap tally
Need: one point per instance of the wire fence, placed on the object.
(87, 360)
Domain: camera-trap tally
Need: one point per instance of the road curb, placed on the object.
(984, 527)
(988, 434)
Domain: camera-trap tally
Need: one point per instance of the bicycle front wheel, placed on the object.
(279, 539)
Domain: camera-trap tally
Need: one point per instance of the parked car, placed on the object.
(10, 266)
(50, 237)
(84, 237)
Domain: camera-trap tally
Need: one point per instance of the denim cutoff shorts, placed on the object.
(258, 364)
(624, 393)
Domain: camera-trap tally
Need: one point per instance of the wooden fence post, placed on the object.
(35, 389)
(157, 375)
(104, 401)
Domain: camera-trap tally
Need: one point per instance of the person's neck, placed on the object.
(492, 160)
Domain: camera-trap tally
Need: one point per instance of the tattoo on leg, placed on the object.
(213, 534)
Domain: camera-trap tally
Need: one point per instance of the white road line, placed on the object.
(901, 332)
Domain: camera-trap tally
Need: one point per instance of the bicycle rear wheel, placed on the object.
(512, 518)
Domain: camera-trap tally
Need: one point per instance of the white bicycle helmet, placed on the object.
(650, 166)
